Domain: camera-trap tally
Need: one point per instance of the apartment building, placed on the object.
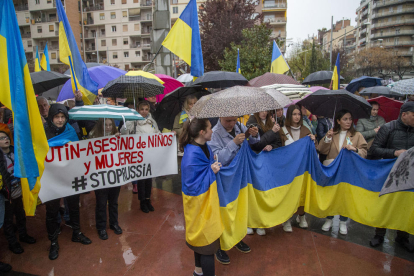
(341, 29)
(275, 13)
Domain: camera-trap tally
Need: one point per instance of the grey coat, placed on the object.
(366, 126)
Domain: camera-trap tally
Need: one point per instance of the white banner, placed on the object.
(107, 162)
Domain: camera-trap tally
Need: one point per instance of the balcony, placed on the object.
(363, 31)
(391, 44)
(409, 21)
(393, 13)
(146, 18)
(146, 32)
(21, 8)
(49, 48)
(135, 46)
(146, 4)
(135, 18)
(391, 34)
(146, 45)
(274, 6)
(276, 21)
(146, 58)
(29, 35)
(362, 40)
(93, 35)
(98, 7)
(365, 12)
(90, 48)
(44, 20)
(382, 4)
(88, 21)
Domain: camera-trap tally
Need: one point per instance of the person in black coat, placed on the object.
(324, 125)
(391, 140)
(268, 130)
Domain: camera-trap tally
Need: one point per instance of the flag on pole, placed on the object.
(279, 65)
(184, 39)
(69, 55)
(336, 78)
(37, 61)
(238, 62)
(30, 144)
(44, 63)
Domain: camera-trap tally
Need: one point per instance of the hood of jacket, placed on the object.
(54, 110)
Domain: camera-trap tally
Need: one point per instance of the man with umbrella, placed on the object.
(391, 140)
(370, 127)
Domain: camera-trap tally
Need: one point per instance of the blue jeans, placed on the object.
(1, 210)
(341, 218)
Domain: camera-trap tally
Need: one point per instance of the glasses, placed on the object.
(4, 138)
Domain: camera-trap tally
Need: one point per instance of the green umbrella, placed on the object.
(95, 112)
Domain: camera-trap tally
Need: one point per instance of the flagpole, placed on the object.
(73, 74)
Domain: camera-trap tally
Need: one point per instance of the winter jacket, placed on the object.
(324, 125)
(391, 137)
(6, 177)
(366, 126)
(50, 129)
(332, 148)
(148, 125)
(178, 123)
(304, 131)
(266, 138)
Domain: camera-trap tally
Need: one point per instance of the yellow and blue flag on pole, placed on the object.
(336, 77)
(37, 61)
(69, 55)
(44, 63)
(184, 39)
(238, 70)
(279, 65)
(30, 144)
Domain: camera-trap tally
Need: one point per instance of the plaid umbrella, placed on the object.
(238, 101)
(132, 87)
(404, 87)
(95, 112)
(271, 78)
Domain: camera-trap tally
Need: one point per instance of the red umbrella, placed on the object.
(170, 85)
(389, 108)
(271, 78)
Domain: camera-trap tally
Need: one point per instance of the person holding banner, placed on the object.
(108, 196)
(200, 197)
(58, 133)
(294, 130)
(342, 136)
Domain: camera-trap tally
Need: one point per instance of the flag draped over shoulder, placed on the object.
(68, 135)
(238, 70)
(184, 39)
(279, 65)
(69, 55)
(17, 94)
(37, 61)
(336, 78)
(200, 198)
(44, 63)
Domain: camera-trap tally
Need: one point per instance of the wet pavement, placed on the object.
(154, 244)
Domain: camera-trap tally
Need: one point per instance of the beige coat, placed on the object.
(332, 148)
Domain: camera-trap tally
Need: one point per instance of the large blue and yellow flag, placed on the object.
(336, 77)
(184, 39)
(68, 135)
(44, 63)
(69, 55)
(37, 61)
(17, 94)
(238, 70)
(279, 65)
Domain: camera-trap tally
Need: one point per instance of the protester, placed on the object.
(268, 130)
(343, 135)
(306, 122)
(4, 268)
(370, 127)
(184, 115)
(44, 106)
(294, 130)
(153, 103)
(108, 196)
(56, 125)
(193, 140)
(391, 140)
(228, 136)
(280, 118)
(111, 101)
(143, 126)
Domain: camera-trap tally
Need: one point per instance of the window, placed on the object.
(125, 28)
(397, 31)
(399, 8)
(101, 16)
(113, 15)
(396, 40)
(175, 9)
(29, 43)
(51, 28)
(391, 9)
(124, 14)
(135, 1)
(49, 1)
(102, 32)
(115, 55)
(53, 55)
(114, 43)
(124, 2)
(136, 27)
(137, 53)
(112, 2)
(125, 41)
(149, 16)
(37, 2)
(39, 30)
(126, 54)
(126, 67)
(114, 29)
(103, 42)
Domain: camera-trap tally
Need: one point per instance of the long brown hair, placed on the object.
(269, 123)
(289, 116)
(98, 129)
(191, 130)
(338, 117)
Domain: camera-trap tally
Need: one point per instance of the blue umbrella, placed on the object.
(363, 81)
(100, 74)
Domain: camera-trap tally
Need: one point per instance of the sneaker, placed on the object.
(27, 239)
(4, 268)
(103, 235)
(222, 257)
(260, 232)
(376, 241)
(80, 237)
(242, 247)
(343, 230)
(116, 228)
(16, 248)
(287, 227)
(143, 206)
(302, 221)
(405, 243)
(54, 250)
(148, 203)
(250, 231)
(327, 225)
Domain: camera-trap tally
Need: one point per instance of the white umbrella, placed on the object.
(292, 91)
(184, 78)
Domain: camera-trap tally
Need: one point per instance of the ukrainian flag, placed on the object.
(37, 63)
(238, 62)
(184, 39)
(336, 78)
(45, 60)
(69, 54)
(200, 199)
(30, 144)
(279, 65)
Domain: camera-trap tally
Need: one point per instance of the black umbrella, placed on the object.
(172, 104)
(53, 93)
(320, 77)
(88, 65)
(380, 90)
(46, 80)
(132, 87)
(220, 79)
(327, 102)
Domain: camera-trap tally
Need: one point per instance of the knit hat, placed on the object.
(408, 106)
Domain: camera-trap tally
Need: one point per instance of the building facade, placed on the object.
(275, 13)
(341, 29)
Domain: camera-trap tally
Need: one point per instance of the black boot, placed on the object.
(377, 240)
(4, 268)
(148, 203)
(144, 207)
(16, 248)
(405, 243)
(27, 239)
(54, 250)
(79, 237)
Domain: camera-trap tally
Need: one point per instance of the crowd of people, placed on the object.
(219, 139)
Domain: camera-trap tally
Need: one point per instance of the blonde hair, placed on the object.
(187, 101)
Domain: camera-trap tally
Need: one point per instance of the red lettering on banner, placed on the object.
(133, 157)
(151, 142)
(112, 142)
(105, 145)
(140, 158)
(87, 166)
(67, 151)
(98, 144)
(90, 149)
(141, 144)
(53, 156)
(128, 157)
(59, 155)
(100, 163)
(112, 161)
(124, 143)
(74, 150)
(170, 139)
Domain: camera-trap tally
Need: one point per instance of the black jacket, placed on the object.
(324, 125)
(50, 129)
(391, 137)
(6, 176)
(266, 138)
